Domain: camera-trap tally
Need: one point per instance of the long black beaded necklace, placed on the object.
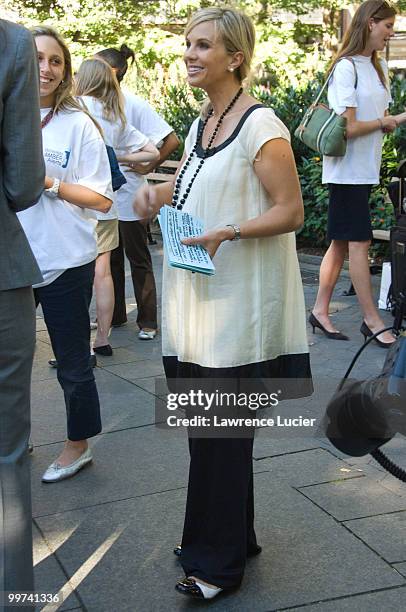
(178, 183)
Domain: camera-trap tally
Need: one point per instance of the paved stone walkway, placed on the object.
(333, 528)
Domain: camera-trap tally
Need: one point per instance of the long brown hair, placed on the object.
(95, 78)
(357, 35)
(64, 99)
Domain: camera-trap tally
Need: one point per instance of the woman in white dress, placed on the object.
(99, 91)
(248, 320)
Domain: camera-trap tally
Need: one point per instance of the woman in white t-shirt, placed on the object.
(358, 90)
(96, 84)
(61, 231)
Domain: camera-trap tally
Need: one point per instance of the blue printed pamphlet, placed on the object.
(176, 225)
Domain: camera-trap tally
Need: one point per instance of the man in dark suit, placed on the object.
(21, 184)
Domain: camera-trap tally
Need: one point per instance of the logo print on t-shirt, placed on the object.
(57, 158)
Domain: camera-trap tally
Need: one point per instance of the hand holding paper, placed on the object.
(178, 228)
(209, 241)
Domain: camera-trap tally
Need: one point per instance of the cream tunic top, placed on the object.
(252, 309)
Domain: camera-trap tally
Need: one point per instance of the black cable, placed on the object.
(377, 454)
(388, 465)
(358, 353)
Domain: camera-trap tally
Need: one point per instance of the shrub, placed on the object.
(181, 107)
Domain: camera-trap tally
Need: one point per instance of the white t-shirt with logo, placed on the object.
(124, 140)
(145, 119)
(62, 235)
(362, 162)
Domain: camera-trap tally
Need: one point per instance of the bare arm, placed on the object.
(400, 118)
(22, 161)
(286, 214)
(149, 153)
(81, 196)
(356, 128)
(171, 142)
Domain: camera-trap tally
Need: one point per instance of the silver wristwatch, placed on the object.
(237, 231)
(54, 190)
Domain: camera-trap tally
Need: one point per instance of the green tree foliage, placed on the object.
(88, 21)
(291, 57)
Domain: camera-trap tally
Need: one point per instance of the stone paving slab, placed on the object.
(267, 446)
(146, 368)
(48, 574)
(156, 385)
(351, 499)
(395, 449)
(41, 369)
(385, 534)
(127, 337)
(123, 405)
(126, 354)
(400, 567)
(127, 463)
(42, 336)
(388, 600)
(40, 325)
(124, 550)
(308, 468)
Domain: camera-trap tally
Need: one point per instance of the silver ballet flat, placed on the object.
(56, 472)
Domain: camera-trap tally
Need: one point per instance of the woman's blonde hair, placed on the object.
(96, 78)
(235, 29)
(357, 35)
(237, 33)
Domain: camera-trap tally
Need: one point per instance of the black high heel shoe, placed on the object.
(104, 350)
(367, 333)
(332, 335)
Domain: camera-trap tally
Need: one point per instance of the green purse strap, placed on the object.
(331, 74)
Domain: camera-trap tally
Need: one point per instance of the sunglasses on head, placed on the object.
(383, 5)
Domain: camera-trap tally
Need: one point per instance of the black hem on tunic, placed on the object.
(293, 369)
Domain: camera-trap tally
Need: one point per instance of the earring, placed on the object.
(231, 69)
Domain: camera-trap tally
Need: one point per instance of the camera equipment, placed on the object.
(363, 415)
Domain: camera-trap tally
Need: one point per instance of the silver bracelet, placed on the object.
(54, 190)
(237, 231)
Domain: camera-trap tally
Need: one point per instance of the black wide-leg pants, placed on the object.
(219, 520)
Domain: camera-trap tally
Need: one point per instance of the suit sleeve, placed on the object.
(22, 157)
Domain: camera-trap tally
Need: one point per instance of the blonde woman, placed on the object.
(97, 86)
(61, 233)
(248, 320)
(359, 90)
(133, 234)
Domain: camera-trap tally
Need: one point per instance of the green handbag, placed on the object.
(321, 129)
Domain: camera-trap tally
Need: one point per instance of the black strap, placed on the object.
(233, 135)
(330, 76)
(350, 59)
